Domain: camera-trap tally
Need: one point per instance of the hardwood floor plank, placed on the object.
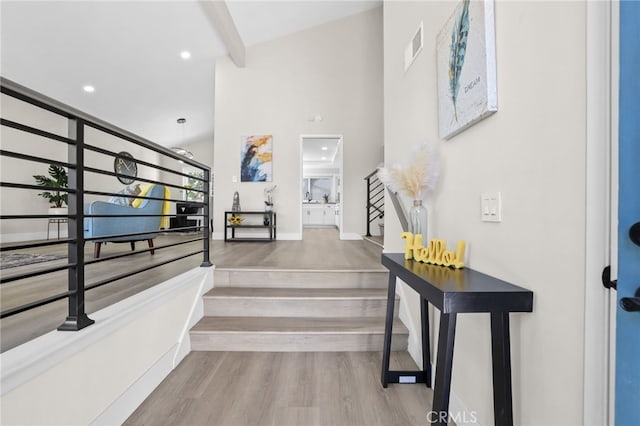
(251, 388)
(320, 249)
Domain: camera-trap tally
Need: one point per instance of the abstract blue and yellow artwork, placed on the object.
(256, 159)
(466, 63)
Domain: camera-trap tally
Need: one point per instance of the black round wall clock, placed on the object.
(125, 167)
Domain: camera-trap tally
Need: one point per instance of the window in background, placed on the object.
(193, 184)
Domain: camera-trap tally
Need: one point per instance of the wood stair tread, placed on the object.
(295, 325)
(297, 293)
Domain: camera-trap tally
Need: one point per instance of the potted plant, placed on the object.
(57, 179)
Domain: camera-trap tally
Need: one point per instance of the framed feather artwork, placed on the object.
(256, 159)
(466, 63)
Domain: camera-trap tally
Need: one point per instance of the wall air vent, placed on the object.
(413, 48)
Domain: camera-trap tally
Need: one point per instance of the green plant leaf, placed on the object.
(58, 179)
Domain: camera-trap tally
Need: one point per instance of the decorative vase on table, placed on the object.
(418, 219)
(267, 209)
(236, 202)
(58, 211)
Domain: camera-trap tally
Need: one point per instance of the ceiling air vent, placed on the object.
(413, 48)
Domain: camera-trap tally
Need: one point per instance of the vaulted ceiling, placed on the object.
(130, 52)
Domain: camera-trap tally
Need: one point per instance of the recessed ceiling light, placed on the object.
(185, 54)
(324, 158)
(89, 89)
(324, 148)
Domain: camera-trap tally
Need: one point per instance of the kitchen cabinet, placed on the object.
(318, 215)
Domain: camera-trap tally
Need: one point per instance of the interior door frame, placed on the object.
(341, 175)
(601, 209)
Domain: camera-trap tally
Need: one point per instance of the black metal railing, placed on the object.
(79, 146)
(375, 199)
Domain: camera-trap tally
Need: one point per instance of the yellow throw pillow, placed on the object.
(136, 203)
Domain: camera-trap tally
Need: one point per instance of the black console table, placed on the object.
(455, 291)
(188, 215)
(255, 223)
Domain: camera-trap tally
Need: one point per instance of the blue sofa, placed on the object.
(110, 227)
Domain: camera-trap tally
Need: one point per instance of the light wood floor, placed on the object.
(282, 389)
(320, 249)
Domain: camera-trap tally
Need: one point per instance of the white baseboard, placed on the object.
(31, 236)
(289, 236)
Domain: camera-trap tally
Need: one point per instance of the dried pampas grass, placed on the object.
(415, 179)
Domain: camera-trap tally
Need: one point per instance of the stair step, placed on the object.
(299, 278)
(296, 302)
(299, 334)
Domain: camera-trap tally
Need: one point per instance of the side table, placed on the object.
(455, 291)
(57, 222)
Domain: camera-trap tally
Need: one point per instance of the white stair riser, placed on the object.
(250, 307)
(286, 342)
(299, 279)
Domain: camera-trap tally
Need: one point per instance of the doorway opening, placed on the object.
(321, 171)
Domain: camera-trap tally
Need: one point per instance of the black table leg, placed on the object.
(426, 352)
(501, 359)
(388, 328)
(446, 336)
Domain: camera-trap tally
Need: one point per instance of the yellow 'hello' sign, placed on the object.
(435, 253)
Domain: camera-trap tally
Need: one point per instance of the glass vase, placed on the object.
(418, 219)
(267, 215)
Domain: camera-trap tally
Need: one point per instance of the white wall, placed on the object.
(333, 70)
(533, 151)
(100, 375)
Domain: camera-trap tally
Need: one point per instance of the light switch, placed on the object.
(234, 179)
(485, 206)
(491, 207)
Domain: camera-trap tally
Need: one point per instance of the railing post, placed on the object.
(368, 206)
(76, 318)
(206, 237)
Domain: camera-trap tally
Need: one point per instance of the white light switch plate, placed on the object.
(491, 207)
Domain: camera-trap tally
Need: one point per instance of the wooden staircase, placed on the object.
(296, 311)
